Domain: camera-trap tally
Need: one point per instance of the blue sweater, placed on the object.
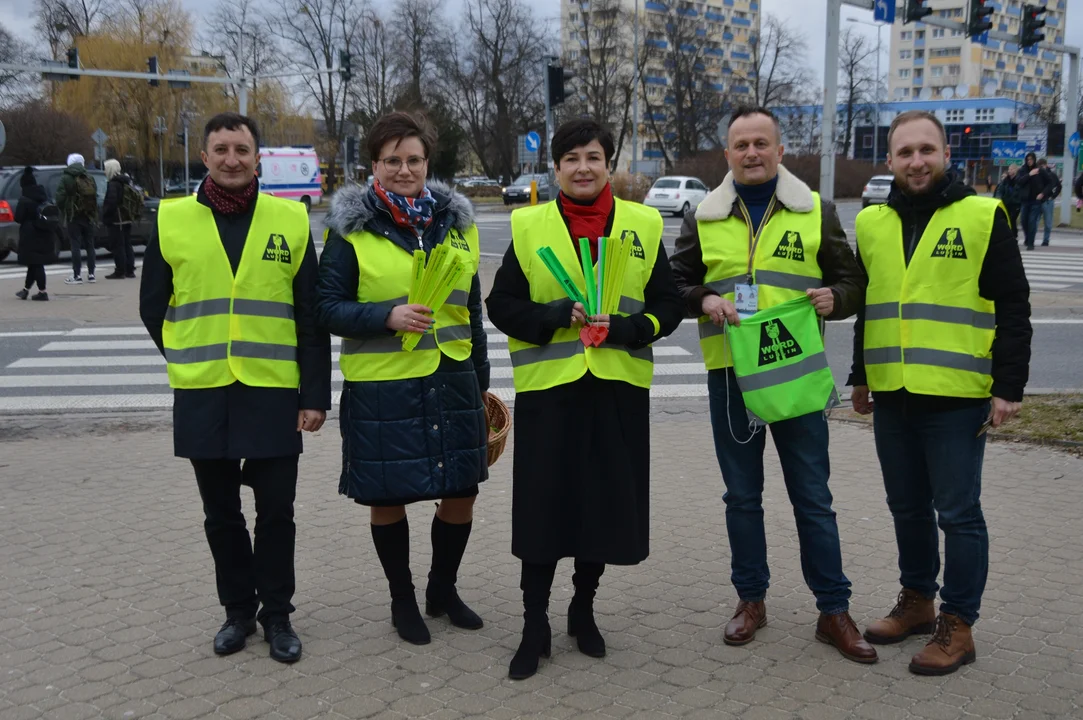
(756, 198)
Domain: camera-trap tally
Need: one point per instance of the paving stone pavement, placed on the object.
(107, 603)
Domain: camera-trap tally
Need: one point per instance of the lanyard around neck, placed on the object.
(754, 234)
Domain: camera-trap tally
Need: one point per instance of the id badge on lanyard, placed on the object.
(747, 294)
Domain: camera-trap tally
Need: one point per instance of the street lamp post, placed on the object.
(876, 98)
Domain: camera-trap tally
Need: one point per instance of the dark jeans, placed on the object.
(1030, 214)
(35, 273)
(81, 237)
(932, 472)
(802, 450)
(1048, 207)
(247, 579)
(120, 241)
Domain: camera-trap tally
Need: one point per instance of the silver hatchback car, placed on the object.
(876, 191)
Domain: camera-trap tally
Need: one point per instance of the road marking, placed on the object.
(33, 333)
(89, 361)
(84, 345)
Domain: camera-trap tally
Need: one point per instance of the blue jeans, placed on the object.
(1029, 221)
(802, 450)
(1047, 219)
(932, 472)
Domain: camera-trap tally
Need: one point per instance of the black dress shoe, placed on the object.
(231, 637)
(285, 645)
(115, 276)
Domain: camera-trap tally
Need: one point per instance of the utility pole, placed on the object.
(549, 130)
(159, 130)
(831, 94)
(635, 90)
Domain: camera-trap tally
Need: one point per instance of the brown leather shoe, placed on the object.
(749, 617)
(913, 614)
(841, 631)
(952, 647)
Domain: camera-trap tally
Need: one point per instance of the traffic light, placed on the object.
(351, 150)
(152, 68)
(180, 139)
(1032, 22)
(966, 130)
(557, 77)
(980, 20)
(73, 62)
(915, 11)
(344, 66)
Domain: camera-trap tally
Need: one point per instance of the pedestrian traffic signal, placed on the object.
(980, 20)
(73, 58)
(557, 77)
(915, 11)
(152, 68)
(344, 66)
(1032, 22)
(967, 130)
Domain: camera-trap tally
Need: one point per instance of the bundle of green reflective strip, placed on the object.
(432, 280)
(603, 280)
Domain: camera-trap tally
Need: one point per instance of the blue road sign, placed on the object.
(1009, 149)
(884, 11)
(1073, 144)
(533, 141)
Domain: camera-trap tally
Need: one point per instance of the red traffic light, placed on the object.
(967, 130)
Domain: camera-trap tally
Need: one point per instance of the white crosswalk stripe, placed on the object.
(1053, 270)
(118, 368)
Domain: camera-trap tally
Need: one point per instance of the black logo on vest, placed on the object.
(950, 245)
(457, 240)
(776, 343)
(277, 249)
(790, 247)
(637, 247)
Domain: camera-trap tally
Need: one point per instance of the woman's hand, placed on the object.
(579, 314)
(599, 320)
(409, 318)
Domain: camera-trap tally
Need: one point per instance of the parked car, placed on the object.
(479, 182)
(49, 176)
(876, 191)
(177, 187)
(519, 191)
(676, 194)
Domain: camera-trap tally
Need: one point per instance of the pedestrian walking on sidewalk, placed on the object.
(39, 226)
(1035, 188)
(946, 327)
(229, 297)
(581, 468)
(1050, 200)
(77, 198)
(760, 240)
(412, 422)
(123, 205)
(1010, 192)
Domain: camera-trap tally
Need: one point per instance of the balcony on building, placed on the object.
(1009, 85)
(1001, 65)
(655, 6)
(740, 55)
(743, 22)
(655, 43)
(714, 16)
(918, 62)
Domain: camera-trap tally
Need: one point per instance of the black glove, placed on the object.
(558, 316)
(622, 330)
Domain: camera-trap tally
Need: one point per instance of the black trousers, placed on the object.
(120, 242)
(35, 273)
(248, 578)
(81, 237)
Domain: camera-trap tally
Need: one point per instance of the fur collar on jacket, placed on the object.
(794, 194)
(353, 207)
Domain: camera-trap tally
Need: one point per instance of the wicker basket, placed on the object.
(498, 416)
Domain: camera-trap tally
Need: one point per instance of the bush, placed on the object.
(630, 187)
(479, 192)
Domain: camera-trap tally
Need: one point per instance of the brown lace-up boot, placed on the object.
(913, 614)
(952, 647)
(749, 617)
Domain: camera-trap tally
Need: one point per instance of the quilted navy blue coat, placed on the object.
(403, 440)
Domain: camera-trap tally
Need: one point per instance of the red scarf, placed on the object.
(230, 203)
(588, 220)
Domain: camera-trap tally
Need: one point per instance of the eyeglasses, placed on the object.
(394, 164)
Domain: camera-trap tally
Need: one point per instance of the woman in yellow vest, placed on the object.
(582, 420)
(413, 423)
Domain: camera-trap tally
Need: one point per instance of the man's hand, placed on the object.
(720, 309)
(861, 399)
(1034, 172)
(310, 420)
(1004, 410)
(1041, 196)
(823, 300)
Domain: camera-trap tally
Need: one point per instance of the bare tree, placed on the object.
(238, 36)
(40, 134)
(856, 82)
(15, 87)
(375, 78)
(779, 63)
(61, 21)
(420, 25)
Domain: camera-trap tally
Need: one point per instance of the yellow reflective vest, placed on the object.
(783, 266)
(565, 359)
(927, 328)
(222, 328)
(384, 277)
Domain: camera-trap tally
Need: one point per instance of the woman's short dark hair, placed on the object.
(231, 121)
(577, 133)
(399, 126)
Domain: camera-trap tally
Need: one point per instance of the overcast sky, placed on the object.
(810, 18)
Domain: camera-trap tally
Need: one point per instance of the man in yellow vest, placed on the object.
(228, 296)
(760, 239)
(943, 343)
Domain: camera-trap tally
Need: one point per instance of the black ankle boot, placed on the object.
(581, 623)
(537, 642)
(393, 547)
(448, 546)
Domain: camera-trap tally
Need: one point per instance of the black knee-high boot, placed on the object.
(448, 546)
(537, 581)
(393, 546)
(581, 623)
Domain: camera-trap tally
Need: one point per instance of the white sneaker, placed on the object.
(90, 277)
(73, 280)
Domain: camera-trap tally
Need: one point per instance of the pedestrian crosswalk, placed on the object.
(1053, 270)
(118, 368)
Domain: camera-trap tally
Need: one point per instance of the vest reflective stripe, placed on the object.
(565, 359)
(784, 266)
(384, 277)
(927, 329)
(222, 328)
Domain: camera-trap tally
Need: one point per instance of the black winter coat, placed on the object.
(114, 196)
(37, 236)
(414, 439)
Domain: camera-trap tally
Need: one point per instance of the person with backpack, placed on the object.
(1010, 192)
(39, 223)
(123, 206)
(1050, 201)
(77, 198)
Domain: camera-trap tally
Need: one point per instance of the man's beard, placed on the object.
(935, 176)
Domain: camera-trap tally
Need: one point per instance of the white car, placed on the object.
(876, 192)
(676, 194)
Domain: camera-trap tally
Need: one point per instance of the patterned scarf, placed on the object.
(411, 213)
(230, 203)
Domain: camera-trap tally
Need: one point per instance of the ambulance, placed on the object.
(291, 172)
